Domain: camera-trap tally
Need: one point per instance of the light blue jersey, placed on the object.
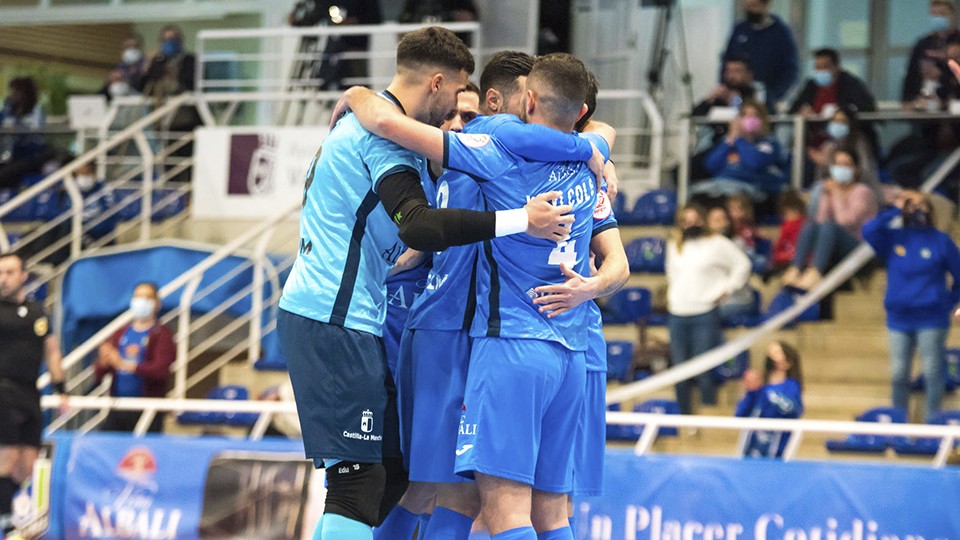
(511, 267)
(347, 241)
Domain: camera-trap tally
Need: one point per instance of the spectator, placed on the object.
(736, 85)
(793, 216)
(918, 257)
(929, 50)
(746, 160)
(139, 357)
(554, 33)
(27, 340)
(331, 70)
(844, 129)
(434, 11)
(845, 204)
(23, 151)
(740, 302)
(744, 223)
(171, 70)
(125, 78)
(777, 394)
(702, 270)
(768, 44)
(832, 85)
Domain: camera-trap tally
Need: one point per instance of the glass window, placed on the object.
(838, 24)
(907, 21)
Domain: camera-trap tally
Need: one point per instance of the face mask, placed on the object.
(694, 231)
(916, 219)
(939, 24)
(751, 124)
(836, 130)
(822, 77)
(755, 17)
(171, 47)
(142, 308)
(132, 56)
(86, 182)
(841, 174)
(118, 89)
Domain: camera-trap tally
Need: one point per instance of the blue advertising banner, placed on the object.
(702, 498)
(166, 488)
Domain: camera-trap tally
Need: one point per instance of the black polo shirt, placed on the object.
(23, 329)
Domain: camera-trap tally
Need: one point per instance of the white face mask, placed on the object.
(132, 56)
(119, 88)
(86, 181)
(142, 308)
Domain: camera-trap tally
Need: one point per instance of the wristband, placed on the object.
(511, 222)
(59, 388)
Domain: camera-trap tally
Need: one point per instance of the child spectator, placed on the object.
(793, 213)
(777, 394)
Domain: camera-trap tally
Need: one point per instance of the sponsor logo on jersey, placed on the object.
(603, 209)
(474, 140)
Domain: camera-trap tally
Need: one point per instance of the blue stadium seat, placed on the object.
(647, 255)
(46, 205)
(618, 432)
(620, 210)
(952, 379)
(627, 306)
(762, 255)
(873, 444)
(20, 214)
(655, 207)
(732, 369)
(231, 392)
(750, 319)
(131, 210)
(660, 406)
(172, 208)
(785, 299)
(926, 446)
(619, 359)
(271, 357)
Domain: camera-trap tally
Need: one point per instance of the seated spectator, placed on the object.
(329, 70)
(929, 50)
(23, 151)
(832, 86)
(744, 222)
(139, 357)
(746, 160)
(918, 258)
(844, 205)
(736, 85)
(776, 394)
(702, 269)
(739, 302)
(434, 11)
(793, 215)
(843, 129)
(767, 42)
(125, 78)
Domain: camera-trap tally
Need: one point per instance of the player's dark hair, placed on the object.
(434, 46)
(591, 102)
(502, 70)
(471, 87)
(829, 53)
(14, 255)
(561, 82)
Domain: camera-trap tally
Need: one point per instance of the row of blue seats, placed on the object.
(231, 392)
(635, 304)
(618, 432)
(878, 444)
(648, 255)
(49, 204)
(620, 362)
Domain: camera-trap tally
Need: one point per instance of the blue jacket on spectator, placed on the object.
(783, 400)
(917, 261)
(772, 54)
(24, 145)
(756, 164)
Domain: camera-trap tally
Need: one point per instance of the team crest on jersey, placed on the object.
(603, 209)
(41, 326)
(474, 140)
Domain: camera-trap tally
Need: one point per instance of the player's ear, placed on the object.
(583, 111)
(436, 82)
(493, 100)
(531, 102)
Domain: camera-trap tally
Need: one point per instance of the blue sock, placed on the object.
(337, 527)
(448, 525)
(422, 523)
(521, 533)
(563, 533)
(400, 523)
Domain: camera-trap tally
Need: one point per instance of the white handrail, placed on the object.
(350, 30)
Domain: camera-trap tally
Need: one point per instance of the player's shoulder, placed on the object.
(489, 123)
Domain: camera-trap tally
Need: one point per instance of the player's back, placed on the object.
(347, 241)
(511, 268)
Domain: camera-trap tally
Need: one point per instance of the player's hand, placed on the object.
(597, 165)
(547, 221)
(613, 181)
(410, 258)
(557, 299)
(341, 109)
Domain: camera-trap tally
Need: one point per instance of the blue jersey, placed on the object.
(403, 289)
(132, 348)
(347, 241)
(511, 267)
(449, 300)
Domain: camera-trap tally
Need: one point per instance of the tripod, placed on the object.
(659, 51)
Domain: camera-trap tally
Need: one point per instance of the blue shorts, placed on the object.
(346, 398)
(431, 376)
(521, 408)
(591, 440)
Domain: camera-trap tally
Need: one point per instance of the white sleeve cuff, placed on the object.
(511, 222)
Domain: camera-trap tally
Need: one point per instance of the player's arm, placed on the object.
(383, 119)
(603, 129)
(54, 361)
(431, 229)
(541, 143)
(613, 273)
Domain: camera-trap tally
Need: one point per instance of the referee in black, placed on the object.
(25, 339)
